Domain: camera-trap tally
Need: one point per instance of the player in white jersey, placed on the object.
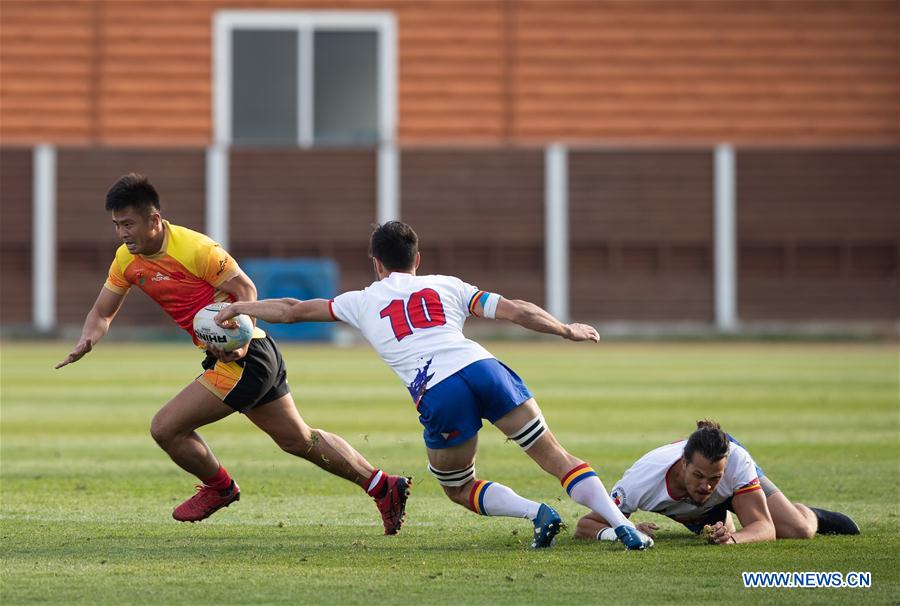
(699, 481)
(415, 324)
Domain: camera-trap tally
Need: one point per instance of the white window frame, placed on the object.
(305, 22)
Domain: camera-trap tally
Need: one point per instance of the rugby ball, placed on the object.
(206, 329)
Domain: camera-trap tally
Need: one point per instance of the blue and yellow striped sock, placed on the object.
(493, 499)
(585, 488)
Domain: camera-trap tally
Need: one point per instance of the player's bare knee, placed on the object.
(457, 483)
(299, 443)
(161, 432)
(530, 434)
(536, 439)
(808, 532)
(459, 494)
(800, 529)
(291, 446)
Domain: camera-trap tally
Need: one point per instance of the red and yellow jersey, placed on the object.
(183, 277)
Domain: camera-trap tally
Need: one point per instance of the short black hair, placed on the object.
(133, 190)
(395, 244)
(709, 440)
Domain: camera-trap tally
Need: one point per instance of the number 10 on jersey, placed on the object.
(423, 309)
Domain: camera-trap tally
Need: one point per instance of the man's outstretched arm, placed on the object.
(279, 311)
(756, 521)
(96, 324)
(532, 317)
(240, 288)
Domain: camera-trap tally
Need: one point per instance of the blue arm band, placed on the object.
(489, 301)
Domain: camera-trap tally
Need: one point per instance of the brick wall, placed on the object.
(304, 204)
(86, 237)
(819, 234)
(818, 230)
(15, 236)
(479, 215)
(706, 70)
(641, 227)
(138, 72)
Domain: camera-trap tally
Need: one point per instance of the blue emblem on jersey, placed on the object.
(420, 383)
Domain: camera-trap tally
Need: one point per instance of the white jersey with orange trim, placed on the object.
(415, 324)
(644, 485)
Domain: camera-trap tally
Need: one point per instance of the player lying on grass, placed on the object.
(184, 271)
(699, 481)
(415, 324)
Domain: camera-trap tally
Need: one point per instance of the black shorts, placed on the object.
(256, 379)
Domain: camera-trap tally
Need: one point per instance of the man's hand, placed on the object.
(648, 528)
(225, 315)
(228, 356)
(82, 348)
(719, 534)
(582, 332)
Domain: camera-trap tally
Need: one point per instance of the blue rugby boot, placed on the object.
(547, 525)
(633, 538)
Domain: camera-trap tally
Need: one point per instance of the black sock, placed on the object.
(833, 522)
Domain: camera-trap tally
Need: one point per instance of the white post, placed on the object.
(725, 239)
(388, 196)
(387, 71)
(556, 230)
(221, 80)
(217, 193)
(306, 107)
(43, 238)
(388, 200)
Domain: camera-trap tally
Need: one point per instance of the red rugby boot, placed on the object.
(206, 502)
(392, 504)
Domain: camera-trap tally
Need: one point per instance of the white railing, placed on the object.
(43, 238)
(388, 206)
(725, 238)
(556, 230)
(217, 201)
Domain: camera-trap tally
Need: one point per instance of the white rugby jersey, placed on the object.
(644, 485)
(415, 324)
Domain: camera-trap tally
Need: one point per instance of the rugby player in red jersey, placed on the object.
(184, 271)
(699, 481)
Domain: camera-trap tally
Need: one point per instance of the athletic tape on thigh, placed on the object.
(459, 477)
(530, 432)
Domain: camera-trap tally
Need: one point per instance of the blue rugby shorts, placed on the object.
(452, 410)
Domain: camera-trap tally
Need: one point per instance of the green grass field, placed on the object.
(87, 495)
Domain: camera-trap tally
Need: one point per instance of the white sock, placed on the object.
(375, 479)
(492, 499)
(607, 534)
(586, 489)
